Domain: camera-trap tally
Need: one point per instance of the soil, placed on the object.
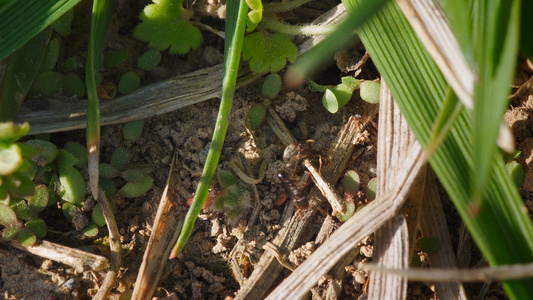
(203, 270)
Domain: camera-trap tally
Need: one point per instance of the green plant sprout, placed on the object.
(236, 197)
(165, 24)
(271, 86)
(149, 60)
(255, 117)
(128, 83)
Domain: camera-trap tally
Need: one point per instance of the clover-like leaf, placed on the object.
(268, 53)
(163, 25)
(8, 217)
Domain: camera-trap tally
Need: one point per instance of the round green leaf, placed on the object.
(90, 230)
(19, 185)
(26, 237)
(149, 60)
(370, 91)
(47, 84)
(48, 151)
(39, 200)
(114, 58)
(133, 175)
(133, 130)
(271, 86)
(10, 159)
(97, 216)
(128, 83)
(38, 226)
(8, 217)
(73, 186)
(255, 117)
(79, 152)
(11, 132)
(136, 189)
(120, 158)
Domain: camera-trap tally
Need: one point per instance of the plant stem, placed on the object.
(281, 27)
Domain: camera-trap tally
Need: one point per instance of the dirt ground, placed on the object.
(203, 270)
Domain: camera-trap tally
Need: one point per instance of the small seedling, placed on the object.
(128, 83)
(271, 86)
(47, 84)
(132, 131)
(370, 91)
(336, 96)
(75, 85)
(120, 158)
(149, 60)
(255, 117)
(136, 189)
(350, 184)
(165, 24)
(236, 196)
(371, 189)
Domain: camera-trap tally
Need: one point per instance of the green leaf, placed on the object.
(10, 159)
(19, 185)
(255, 15)
(65, 160)
(128, 83)
(16, 27)
(39, 200)
(133, 130)
(429, 245)
(11, 132)
(336, 97)
(48, 151)
(97, 216)
(149, 60)
(47, 84)
(69, 210)
(133, 175)
(108, 171)
(79, 152)
(50, 55)
(369, 91)
(163, 26)
(235, 27)
(38, 226)
(26, 237)
(271, 86)
(63, 24)
(22, 210)
(120, 158)
(73, 186)
(255, 117)
(90, 230)
(268, 53)
(226, 178)
(10, 233)
(8, 217)
(136, 189)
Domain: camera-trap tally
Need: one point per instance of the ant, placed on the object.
(297, 195)
(293, 154)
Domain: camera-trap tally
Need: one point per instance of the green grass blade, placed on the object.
(22, 20)
(101, 15)
(458, 13)
(496, 40)
(502, 228)
(312, 59)
(235, 25)
(21, 68)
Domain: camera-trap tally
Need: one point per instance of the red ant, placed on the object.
(297, 195)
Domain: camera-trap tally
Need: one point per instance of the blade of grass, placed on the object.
(101, 15)
(502, 228)
(22, 20)
(235, 25)
(496, 40)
